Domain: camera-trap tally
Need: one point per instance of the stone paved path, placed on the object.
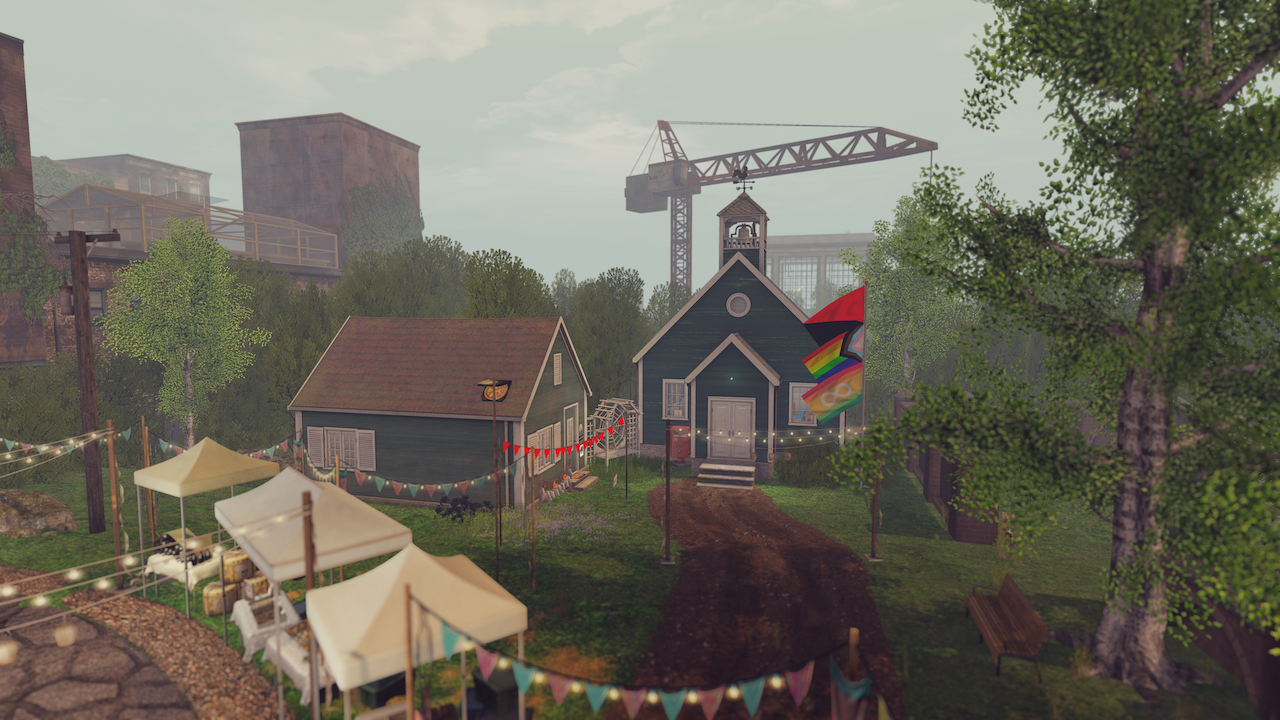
(100, 676)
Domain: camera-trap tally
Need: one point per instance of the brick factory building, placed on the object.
(301, 167)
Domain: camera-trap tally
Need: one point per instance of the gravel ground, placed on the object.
(211, 674)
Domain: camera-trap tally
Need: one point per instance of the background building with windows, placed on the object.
(147, 176)
(808, 268)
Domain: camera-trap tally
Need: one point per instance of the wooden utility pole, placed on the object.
(115, 501)
(84, 355)
(666, 558)
(309, 556)
(151, 496)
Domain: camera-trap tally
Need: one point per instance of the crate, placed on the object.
(255, 587)
(237, 566)
(219, 597)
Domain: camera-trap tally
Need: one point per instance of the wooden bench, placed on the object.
(1007, 623)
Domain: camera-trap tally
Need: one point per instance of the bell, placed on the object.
(8, 651)
(65, 634)
(65, 304)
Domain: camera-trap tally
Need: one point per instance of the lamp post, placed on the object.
(494, 392)
(666, 557)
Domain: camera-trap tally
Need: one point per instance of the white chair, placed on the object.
(295, 664)
(255, 635)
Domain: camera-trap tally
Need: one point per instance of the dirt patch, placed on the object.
(11, 575)
(758, 591)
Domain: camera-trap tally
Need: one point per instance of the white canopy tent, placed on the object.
(362, 628)
(344, 528)
(206, 466)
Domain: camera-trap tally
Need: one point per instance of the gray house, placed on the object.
(397, 397)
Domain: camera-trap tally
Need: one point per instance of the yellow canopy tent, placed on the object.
(361, 626)
(206, 466)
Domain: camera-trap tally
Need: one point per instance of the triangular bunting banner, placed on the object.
(360, 478)
(850, 690)
(127, 433)
(610, 429)
(596, 694)
(462, 487)
(631, 699)
(520, 449)
(379, 482)
(9, 443)
(710, 701)
(26, 447)
(798, 681)
(413, 489)
(751, 690)
(271, 452)
(524, 675)
(559, 686)
(487, 662)
(450, 640)
(431, 490)
(671, 702)
(505, 446)
(620, 418)
(480, 482)
(177, 450)
(396, 486)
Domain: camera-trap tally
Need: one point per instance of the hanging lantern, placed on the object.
(8, 650)
(65, 634)
(65, 304)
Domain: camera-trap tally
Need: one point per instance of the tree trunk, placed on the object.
(190, 393)
(1128, 644)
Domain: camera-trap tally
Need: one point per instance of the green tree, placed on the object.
(667, 299)
(423, 278)
(1151, 265)
(912, 319)
(181, 307)
(54, 180)
(500, 286)
(304, 329)
(609, 328)
(380, 216)
(563, 290)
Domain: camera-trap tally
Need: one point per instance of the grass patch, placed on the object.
(600, 590)
(919, 592)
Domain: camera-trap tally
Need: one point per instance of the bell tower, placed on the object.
(743, 229)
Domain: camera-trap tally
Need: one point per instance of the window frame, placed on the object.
(728, 304)
(543, 439)
(358, 458)
(792, 397)
(170, 186)
(666, 383)
(557, 371)
(102, 294)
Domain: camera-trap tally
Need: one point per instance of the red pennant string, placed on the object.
(610, 429)
(360, 478)
(396, 486)
(559, 686)
(462, 487)
(620, 419)
(431, 490)
(506, 446)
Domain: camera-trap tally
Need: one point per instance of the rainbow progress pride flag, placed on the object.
(836, 393)
(839, 330)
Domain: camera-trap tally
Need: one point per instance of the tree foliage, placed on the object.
(563, 290)
(380, 216)
(423, 278)
(182, 308)
(609, 328)
(54, 180)
(912, 319)
(668, 298)
(499, 285)
(1151, 264)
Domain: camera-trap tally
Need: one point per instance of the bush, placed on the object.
(809, 467)
(460, 508)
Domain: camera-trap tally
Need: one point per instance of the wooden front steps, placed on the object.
(727, 475)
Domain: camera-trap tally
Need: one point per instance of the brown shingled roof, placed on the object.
(428, 366)
(742, 205)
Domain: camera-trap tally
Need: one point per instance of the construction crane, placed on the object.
(678, 179)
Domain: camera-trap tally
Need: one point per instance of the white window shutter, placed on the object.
(315, 446)
(365, 451)
(557, 362)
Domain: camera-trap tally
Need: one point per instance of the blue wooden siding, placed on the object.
(550, 400)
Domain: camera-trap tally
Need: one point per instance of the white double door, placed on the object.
(732, 424)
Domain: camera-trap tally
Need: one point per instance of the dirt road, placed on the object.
(758, 591)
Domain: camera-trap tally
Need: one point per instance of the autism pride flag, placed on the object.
(837, 363)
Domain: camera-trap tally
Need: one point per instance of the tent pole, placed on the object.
(222, 577)
(519, 692)
(186, 569)
(408, 652)
(309, 553)
(463, 674)
(142, 549)
(279, 679)
(346, 705)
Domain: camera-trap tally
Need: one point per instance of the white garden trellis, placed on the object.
(615, 444)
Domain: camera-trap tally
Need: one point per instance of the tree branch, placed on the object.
(1225, 372)
(1229, 91)
(1113, 330)
(1107, 262)
(1186, 442)
(1095, 512)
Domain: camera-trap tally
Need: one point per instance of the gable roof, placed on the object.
(739, 342)
(416, 366)
(742, 205)
(737, 258)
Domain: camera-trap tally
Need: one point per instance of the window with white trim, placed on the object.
(675, 400)
(353, 447)
(800, 414)
(547, 437)
(556, 361)
(171, 186)
(144, 184)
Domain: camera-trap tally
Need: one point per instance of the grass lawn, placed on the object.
(919, 591)
(600, 588)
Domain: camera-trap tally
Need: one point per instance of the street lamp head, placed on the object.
(494, 390)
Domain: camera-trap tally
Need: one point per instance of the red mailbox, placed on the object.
(679, 443)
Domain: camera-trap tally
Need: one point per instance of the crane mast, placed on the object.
(678, 179)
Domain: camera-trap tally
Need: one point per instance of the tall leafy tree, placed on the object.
(423, 278)
(609, 327)
(52, 179)
(500, 286)
(912, 319)
(667, 300)
(380, 216)
(1151, 264)
(182, 308)
(563, 290)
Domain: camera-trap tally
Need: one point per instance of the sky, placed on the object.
(531, 113)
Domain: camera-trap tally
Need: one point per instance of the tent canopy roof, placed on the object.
(206, 466)
(267, 523)
(360, 623)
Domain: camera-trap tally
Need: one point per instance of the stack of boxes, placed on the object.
(240, 580)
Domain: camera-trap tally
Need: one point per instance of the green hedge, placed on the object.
(809, 467)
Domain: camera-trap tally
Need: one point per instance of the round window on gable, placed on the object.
(739, 305)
